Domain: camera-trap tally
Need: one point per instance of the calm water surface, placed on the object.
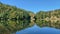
(39, 30)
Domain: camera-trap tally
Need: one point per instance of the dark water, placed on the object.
(39, 30)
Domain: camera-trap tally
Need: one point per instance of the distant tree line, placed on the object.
(13, 19)
(48, 18)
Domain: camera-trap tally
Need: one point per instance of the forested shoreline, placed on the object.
(13, 19)
(48, 18)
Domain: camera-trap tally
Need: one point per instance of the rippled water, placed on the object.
(39, 30)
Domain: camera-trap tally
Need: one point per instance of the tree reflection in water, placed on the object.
(12, 26)
(44, 23)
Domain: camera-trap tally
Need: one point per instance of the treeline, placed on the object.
(13, 19)
(12, 12)
(48, 18)
(48, 15)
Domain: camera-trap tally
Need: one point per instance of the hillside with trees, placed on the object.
(13, 19)
(48, 18)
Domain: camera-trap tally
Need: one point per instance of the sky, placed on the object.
(34, 5)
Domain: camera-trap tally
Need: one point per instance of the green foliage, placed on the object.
(48, 18)
(10, 12)
(13, 19)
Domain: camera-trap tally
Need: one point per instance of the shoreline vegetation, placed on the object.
(13, 19)
(48, 19)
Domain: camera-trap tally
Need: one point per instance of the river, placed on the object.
(39, 30)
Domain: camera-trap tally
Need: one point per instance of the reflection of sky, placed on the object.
(37, 30)
(34, 5)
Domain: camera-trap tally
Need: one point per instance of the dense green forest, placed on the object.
(13, 19)
(12, 12)
(48, 18)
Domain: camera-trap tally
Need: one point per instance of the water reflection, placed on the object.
(12, 26)
(26, 27)
(44, 23)
(39, 30)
